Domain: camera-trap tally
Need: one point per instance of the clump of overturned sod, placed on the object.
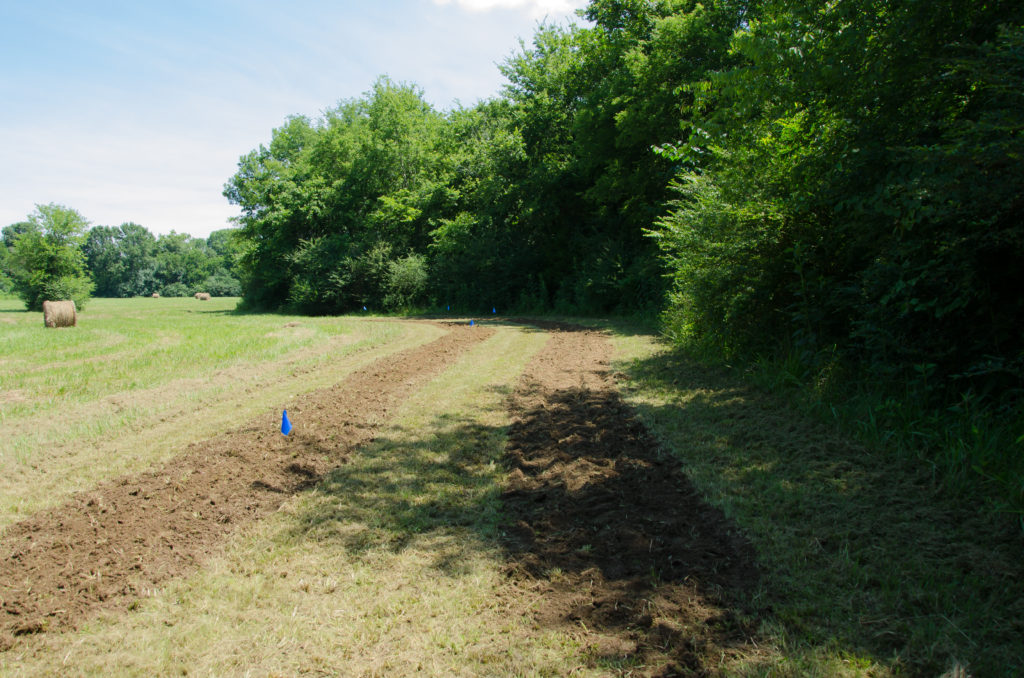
(60, 314)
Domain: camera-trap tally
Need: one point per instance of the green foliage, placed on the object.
(46, 260)
(319, 203)
(850, 195)
(406, 282)
(128, 260)
(181, 258)
(229, 248)
(837, 183)
(221, 284)
(6, 283)
(122, 260)
(865, 166)
(176, 289)
(554, 181)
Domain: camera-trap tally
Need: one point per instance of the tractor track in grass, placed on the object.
(605, 535)
(108, 547)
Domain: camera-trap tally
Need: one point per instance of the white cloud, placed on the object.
(535, 8)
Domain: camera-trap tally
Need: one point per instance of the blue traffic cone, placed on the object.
(286, 426)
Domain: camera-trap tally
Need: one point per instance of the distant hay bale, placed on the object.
(60, 314)
(203, 296)
(155, 295)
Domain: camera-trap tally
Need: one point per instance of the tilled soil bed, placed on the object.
(605, 534)
(605, 537)
(107, 547)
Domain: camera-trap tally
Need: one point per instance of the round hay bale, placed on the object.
(60, 314)
(203, 296)
(155, 295)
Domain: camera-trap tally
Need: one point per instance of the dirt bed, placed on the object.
(109, 546)
(605, 535)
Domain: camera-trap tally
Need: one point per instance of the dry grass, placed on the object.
(388, 568)
(59, 314)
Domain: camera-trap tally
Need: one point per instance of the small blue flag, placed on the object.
(470, 322)
(286, 426)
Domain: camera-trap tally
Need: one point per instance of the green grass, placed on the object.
(974, 446)
(870, 566)
(139, 378)
(389, 567)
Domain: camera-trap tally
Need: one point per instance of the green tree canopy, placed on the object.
(46, 260)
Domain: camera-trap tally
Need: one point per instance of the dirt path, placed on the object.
(107, 547)
(606, 537)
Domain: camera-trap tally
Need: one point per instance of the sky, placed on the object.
(139, 110)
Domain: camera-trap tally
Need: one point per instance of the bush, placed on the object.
(176, 290)
(405, 282)
(76, 288)
(222, 285)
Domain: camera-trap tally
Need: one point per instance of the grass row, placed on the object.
(389, 567)
(870, 566)
(140, 378)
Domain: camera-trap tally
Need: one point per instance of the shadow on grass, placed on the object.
(409, 485)
(599, 532)
(861, 553)
(620, 540)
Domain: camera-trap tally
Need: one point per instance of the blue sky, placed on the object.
(138, 111)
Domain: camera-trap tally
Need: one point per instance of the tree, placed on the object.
(183, 262)
(138, 260)
(47, 262)
(121, 260)
(326, 197)
(7, 237)
(103, 257)
(852, 188)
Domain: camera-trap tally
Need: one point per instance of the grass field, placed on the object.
(139, 379)
(391, 564)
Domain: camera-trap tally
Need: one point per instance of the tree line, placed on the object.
(826, 178)
(832, 185)
(55, 254)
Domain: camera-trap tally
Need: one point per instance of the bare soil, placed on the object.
(109, 546)
(605, 534)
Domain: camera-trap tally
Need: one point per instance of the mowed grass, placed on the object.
(390, 567)
(870, 567)
(138, 379)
